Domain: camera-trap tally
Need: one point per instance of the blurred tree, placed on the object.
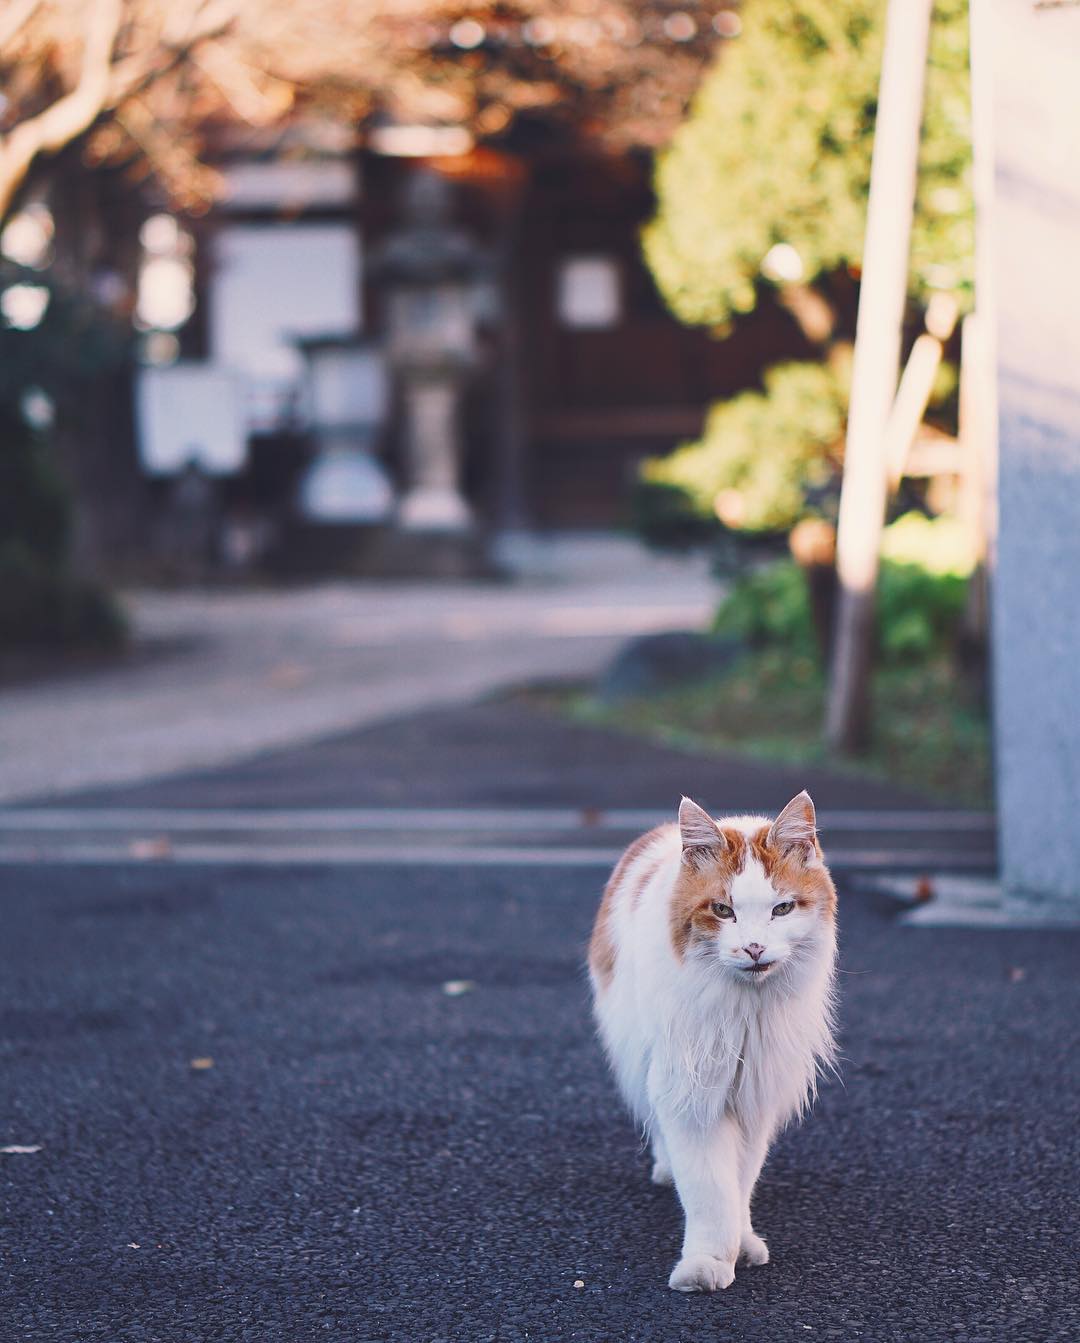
(763, 191)
(762, 453)
(767, 180)
(146, 81)
(47, 370)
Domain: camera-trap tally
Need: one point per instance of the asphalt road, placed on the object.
(372, 1158)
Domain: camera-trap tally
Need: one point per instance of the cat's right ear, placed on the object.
(701, 836)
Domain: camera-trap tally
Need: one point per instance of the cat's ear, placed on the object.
(700, 833)
(795, 828)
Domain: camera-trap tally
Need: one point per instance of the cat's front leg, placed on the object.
(705, 1164)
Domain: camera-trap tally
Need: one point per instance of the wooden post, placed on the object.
(916, 386)
(876, 365)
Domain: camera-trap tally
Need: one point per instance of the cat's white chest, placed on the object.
(744, 1060)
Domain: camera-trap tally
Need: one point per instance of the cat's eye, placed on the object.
(785, 907)
(722, 911)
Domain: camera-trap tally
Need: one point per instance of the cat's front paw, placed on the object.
(702, 1273)
(753, 1249)
(661, 1172)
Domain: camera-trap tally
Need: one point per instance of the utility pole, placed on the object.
(876, 365)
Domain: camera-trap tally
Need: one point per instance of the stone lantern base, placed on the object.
(399, 553)
(432, 510)
(349, 550)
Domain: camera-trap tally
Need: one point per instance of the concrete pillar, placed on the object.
(1034, 55)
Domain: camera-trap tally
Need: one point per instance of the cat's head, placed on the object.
(753, 896)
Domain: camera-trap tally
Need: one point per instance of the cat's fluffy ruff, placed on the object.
(712, 1056)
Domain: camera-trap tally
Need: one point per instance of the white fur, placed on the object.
(711, 1059)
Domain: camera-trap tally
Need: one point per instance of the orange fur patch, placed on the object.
(602, 944)
(707, 879)
(808, 886)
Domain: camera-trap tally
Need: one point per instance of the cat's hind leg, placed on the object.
(755, 1147)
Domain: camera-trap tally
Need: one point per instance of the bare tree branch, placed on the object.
(134, 74)
(622, 74)
(70, 115)
(254, 100)
(19, 13)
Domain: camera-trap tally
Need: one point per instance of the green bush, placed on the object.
(664, 515)
(763, 454)
(918, 612)
(35, 510)
(922, 590)
(769, 608)
(42, 605)
(41, 602)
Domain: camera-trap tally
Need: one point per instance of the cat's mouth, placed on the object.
(759, 967)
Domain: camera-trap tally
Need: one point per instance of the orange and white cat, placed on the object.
(712, 963)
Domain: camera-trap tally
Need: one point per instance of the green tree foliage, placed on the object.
(776, 153)
(777, 149)
(761, 452)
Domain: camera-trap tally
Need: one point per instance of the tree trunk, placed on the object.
(877, 360)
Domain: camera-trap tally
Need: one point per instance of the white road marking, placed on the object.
(384, 820)
(359, 854)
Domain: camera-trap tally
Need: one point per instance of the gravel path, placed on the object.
(219, 676)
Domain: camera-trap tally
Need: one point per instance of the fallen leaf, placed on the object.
(924, 890)
(201, 1065)
(578, 1282)
(151, 849)
(15, 1150)
(454, 988)
(288, 676)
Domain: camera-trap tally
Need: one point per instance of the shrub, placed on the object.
(921, 595)
(41, 601)
(42, 605)
(769, 608)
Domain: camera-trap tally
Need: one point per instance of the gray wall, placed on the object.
(1035, 250)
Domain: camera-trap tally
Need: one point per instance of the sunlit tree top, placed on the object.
(769, 176)
(147, 81)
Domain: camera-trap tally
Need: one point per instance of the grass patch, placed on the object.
(930, 733)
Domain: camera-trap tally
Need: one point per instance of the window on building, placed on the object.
(588, 293)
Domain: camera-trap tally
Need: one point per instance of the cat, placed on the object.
(712, 963)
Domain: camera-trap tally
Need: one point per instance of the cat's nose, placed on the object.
(755, 951)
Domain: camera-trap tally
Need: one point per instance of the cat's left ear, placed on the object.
(795, 829)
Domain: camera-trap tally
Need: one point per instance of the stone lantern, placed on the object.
(429, 271)
(346, 408)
